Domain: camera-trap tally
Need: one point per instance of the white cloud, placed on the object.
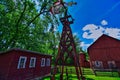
(104, 22)
(90, 27)
(84, 45)
(114, 32)
(92, 31)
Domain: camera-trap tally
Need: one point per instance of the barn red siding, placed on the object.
(5, 63)
(83, 60)
(26, 73)
(105, 49)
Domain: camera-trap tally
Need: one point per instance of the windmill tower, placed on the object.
(67, 48)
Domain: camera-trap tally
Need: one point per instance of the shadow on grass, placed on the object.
(89, 79)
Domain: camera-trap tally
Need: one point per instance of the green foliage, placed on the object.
(28, 24)
(77, 43)
(25, 24)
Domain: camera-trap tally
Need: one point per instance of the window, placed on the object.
(32, 62)
(111, 64)
(48, 62)
(98, 63)
(22, 62)
(42, 62)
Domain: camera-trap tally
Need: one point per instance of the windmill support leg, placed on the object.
(61, 75)
(67, 48)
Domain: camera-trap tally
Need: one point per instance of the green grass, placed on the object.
(57, 77)
(88, 77)
(107, 75)
(93, 77)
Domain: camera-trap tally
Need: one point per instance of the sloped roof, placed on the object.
(21, 50)
(104, 35)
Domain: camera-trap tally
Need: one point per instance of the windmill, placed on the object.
(67, 48)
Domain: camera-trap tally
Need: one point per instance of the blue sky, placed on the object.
(94, 18)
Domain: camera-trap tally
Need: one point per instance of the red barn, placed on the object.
(17, 64)
(104, 53)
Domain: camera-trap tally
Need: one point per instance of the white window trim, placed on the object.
(18, 67)
(43, 59)
(48, 62)
(33, 63)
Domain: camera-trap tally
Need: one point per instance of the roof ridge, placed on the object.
(29, 51)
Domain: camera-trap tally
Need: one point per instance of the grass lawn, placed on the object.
(93, 77)
(87, 76)
(71, 77)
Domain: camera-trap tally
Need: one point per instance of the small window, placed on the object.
(42, 62)
(48, 62)
(22, 62)
(98, 63)
(32, 62)
(111, 64)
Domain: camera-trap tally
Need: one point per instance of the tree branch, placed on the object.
(21, 16)
(42, 10)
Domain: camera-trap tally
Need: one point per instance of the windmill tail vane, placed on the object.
(59, 6)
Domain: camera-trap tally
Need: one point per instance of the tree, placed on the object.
(28, 24)
(25, 24)
(77, 43)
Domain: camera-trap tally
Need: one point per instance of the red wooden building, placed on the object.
(104, 53)
(83, 61)
(17, 64)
